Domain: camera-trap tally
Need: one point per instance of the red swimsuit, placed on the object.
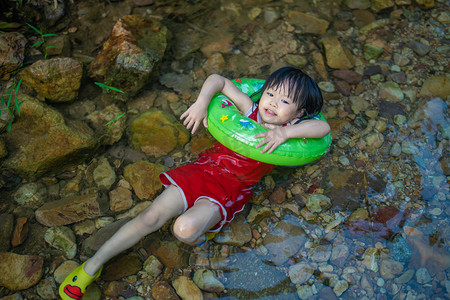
(220, 175)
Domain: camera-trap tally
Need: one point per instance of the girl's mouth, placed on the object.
(269, 113)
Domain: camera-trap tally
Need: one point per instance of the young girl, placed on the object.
(210, 191)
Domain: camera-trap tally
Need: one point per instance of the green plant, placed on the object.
(11, 96)
(108, 88)
(42, 41)
(114, 120)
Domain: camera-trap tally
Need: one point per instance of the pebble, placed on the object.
(344, 160)
(422, 276)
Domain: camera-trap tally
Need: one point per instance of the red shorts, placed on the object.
(221, 175)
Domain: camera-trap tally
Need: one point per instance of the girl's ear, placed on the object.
(301, 113)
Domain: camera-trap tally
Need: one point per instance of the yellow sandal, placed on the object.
(75, 284)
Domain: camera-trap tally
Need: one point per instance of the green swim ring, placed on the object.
(237, 132)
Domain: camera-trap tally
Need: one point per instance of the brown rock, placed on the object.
(215, 64)
(171, 252)
(319, 65)
(162, 290)
(144, 178)
(337, 56)
(12, 51)
(121, 267)
(120, 199)
(187, 289)
(217, 41)
(6, 229)
(347, 75)
(20, 232)
(343, 87)
(69, 210)
(279, 195)
(19, 272)
(307, 23)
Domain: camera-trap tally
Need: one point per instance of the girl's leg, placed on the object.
(167, 205)
(191, 226)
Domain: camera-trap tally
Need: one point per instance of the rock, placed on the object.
(374, 140)
(318, 203)
(215, 64)
(357, 4)
(370, 259)
(391, 91)
(284, 240)
(409, 147)
(372, 51)
(3, 150)
(307, 23)
(425, 4)
(144, 178)
(419, 48)
(319, 65)
(339, 255)
(300, 273)
(337, 56)
(349, 76)
(340, 287)
(20, 233)
(278, 195)
(405, 277)
(157, 133)
(62, 238)
(187, 289)
(114, 288)
(399, 77)
(180, 83)
(162, 290)
(118, 268)
(217, 41)
(185, 44)
(42, 141)
(60, 46)
(120, 199)
(401, 60)
(320, 253)
(390, 269)
(153, 266)
(236, 233)
(69, 210)
(6, 230)
(422, 276)
(64, 269)
(104, 175)
(12, 51)
(47, 288)
(206, 281)
(31, 195)
(19, 272)
(258, 213)
(298, 61)
(133, 51)
(112, 132)
(327, 293)
(93, 292)
(436, 86)
(374, 25)
(378, 5)
(363, 17)
(304, 292)
(395, 150)
(56, 79)
(170, 251)
(95, 241)
(359, 104)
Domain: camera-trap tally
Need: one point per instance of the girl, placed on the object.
(210, 191)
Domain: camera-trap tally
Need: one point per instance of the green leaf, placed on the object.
(37, 44)
(109, 122)
(18, 85)
(9, 100)
(48, 47)
(102, 85)
(9, 125)
(115, 89)
(35, 29)
(119, 116)
(1, 102)
(49, 34)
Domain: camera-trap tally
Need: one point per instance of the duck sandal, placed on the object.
(75, 284)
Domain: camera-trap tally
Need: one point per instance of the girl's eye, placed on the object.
(270, 94)
(285, 101)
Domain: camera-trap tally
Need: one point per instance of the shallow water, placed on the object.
(406, 190)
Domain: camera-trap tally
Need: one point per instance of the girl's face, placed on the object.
(276, 107)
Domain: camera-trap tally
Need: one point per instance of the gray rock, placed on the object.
(419, 48)
(62, 238)
(31, 195)
(422, 276)
(207, 281)
(300, 273)
(104, 175)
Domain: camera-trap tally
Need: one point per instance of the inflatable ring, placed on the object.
(236, 132)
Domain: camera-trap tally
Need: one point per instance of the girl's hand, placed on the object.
(195, 115)
(272, 138)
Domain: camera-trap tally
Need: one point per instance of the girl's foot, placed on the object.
(208, 236)
(75, 284)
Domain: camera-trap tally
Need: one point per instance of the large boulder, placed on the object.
(41, 140)
(19, 272)
(56, 79)
(134, 49)
(12, 51)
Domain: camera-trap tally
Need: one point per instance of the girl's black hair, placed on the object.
(301, 88)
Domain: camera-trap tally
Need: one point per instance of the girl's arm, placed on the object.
(278, 135)
(197, 112)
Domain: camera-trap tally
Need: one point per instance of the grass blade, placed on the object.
(37, 44)
(18, 85)
(49, 34)
(35, 29)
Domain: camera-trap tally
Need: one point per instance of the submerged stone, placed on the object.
(436, 86)
(19, 272)
(337, 56)
(307, 23)
(144, 178)
(12, 51)
(62, 238)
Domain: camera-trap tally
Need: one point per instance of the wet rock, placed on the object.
(372, 70)
(300, 273)
(20, 233)
(19, 272)
(64, 269)
(93, 292)
(207, 281)
(215, 64)
(284, 240)
(47, 288)
(236, 233)
(62, 238)
(258, 213)
(133, 51)
(95, 241)
(31, 195)
(298, 61)
(153, 266)
(305, 292)
(278, 195)
(408, 147)
(340, 287)
(436, 86)
(271, 15)
(144, 178)
(112, 132)
(3, 150)
(400, 59)
(422, 276)
(6, 230)
(60, 46)
(405, 277)
(374, 140)
(157, 133)
(56, 79)
(337, 56)
(395, 150)
(124, 265)
(372, 51)
(419, 48)
(318, 203)
(217, 41)
(339, 255)
(12, 51)
(326, 86)
(104, 175)
(42, 141)
(307, 23)
(120, 199)
(162, 290)
(357, 4)
(321, 253)
(370, 259)
(69, 210)
(114, 288)
(363, 17)
(319, 65)
(349, 76)
(375, 25)
(378, 5)
(135, 210)
(425, 4)
(359, 104)
(399, 77)
(186, 288)
(390, 269)
(186, 44)
(170, 251)
(180, 83)
(391, 91)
